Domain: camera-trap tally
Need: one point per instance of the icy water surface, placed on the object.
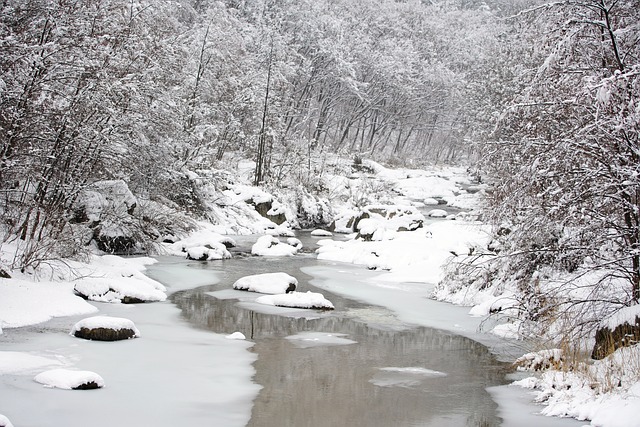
(355, 366)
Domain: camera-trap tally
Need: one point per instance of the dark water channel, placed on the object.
(344, 385)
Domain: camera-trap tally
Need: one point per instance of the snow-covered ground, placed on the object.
(146, 381)
(212, 373)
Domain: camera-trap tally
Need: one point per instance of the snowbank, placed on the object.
(606, 392)
(267, 283)
(412, 256)
(18, 362)
(24, 302)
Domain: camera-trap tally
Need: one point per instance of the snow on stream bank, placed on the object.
(212, 374)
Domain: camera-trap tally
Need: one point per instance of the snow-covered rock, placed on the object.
(437, 213)
(203, 245)
(620, 330)
(379, 222)
(105, 328)
(4, 421)
(128, 290)
(208, 253)
(70, 380)
(267, 283)
(272, 246)
(297, 300)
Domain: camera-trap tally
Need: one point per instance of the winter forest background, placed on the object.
(539, 99)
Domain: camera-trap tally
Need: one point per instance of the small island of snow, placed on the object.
(267, 283)
(297, 300)
(70, 380)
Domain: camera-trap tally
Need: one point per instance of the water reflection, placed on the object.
(339, 385)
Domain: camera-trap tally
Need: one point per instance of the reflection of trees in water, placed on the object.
(330, 385)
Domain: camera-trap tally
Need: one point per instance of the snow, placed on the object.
(626, 315)
(408, 377)
(203, 243)
(321, 233)
(4, 421)
(297, 300)
(16, 362)
(272, 246)
(210, 376)
(266, 283)
(405, 266)
(317, 339)
(114, 290)
(67, 379)
(24, 302)
(236, 336)
(106, 322)
(415, 256)
(607, 392)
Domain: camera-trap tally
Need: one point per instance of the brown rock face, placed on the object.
(105, 334)
(608, 341)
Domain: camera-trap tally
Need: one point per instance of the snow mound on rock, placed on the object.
(70, 380)
(272, 246)
(117, 324)
(4, 421)
(203, 245)
(267, 283)
(123, 289)
(297, 300)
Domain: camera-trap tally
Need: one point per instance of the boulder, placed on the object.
(269, 211)
(104, 328)
(608, 340)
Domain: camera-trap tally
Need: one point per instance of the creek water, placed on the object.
(356, 365)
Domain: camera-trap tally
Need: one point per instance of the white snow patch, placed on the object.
(17, 362)
(25, 302)
(321, 233)
(626, 315)
(316, 339)
(236, 336)
(408, 377)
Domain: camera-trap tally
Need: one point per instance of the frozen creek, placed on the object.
(371, 362)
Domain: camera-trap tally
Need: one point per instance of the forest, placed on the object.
(538, 99)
